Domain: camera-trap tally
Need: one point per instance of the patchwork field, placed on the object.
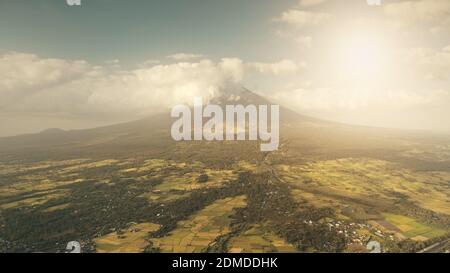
(320, 201)
(177, 180)
(44, 181)
(131, 240)
(201, 229)
(171, 206)
(412, 229)
(380, 200)
(31, 200)
(259, 240)
(190, 180)
(371, 180)
(39, 183)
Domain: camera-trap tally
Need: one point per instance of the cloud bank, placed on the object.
(30, 83)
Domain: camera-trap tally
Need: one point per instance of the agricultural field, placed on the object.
(177, 180)
(412, 229)
(164, 205)
(201, 229)
(33, 199)
(379, 199)
(259, 240)
(71, 190)
(39, 183)
(321, 201)
(131, 240)
(374, 181)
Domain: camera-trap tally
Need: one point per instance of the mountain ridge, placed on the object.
(150, 136)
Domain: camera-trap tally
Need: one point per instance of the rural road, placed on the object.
(435, 248)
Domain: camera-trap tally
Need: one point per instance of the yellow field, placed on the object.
(181, 177)
(55, 208)
(257, 240)
(132, 240)
(202, 228)
(164, 196)
(189, 182)
(371, 180)
(39, 182)
(89, 165)
(245, 166)
(412, 229)
(34, 201)
(320, 201)
(7, 169)
(45, 177)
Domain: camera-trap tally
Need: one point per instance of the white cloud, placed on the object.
(33, 84)
(434, 14)
(310, 3)
(161, 86)
(149, 63)
(115, 63)
(421, 10)
(430, 63)
(185, 56)
(23, 75)
(284, 67)
(20, 71)
(233, 67)
(304, 41)
(301, 18)
(30, 83)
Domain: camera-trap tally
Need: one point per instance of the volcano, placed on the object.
(301, 137)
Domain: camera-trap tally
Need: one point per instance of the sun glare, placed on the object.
(361, 57)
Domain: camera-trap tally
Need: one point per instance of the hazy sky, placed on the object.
(114, 60)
